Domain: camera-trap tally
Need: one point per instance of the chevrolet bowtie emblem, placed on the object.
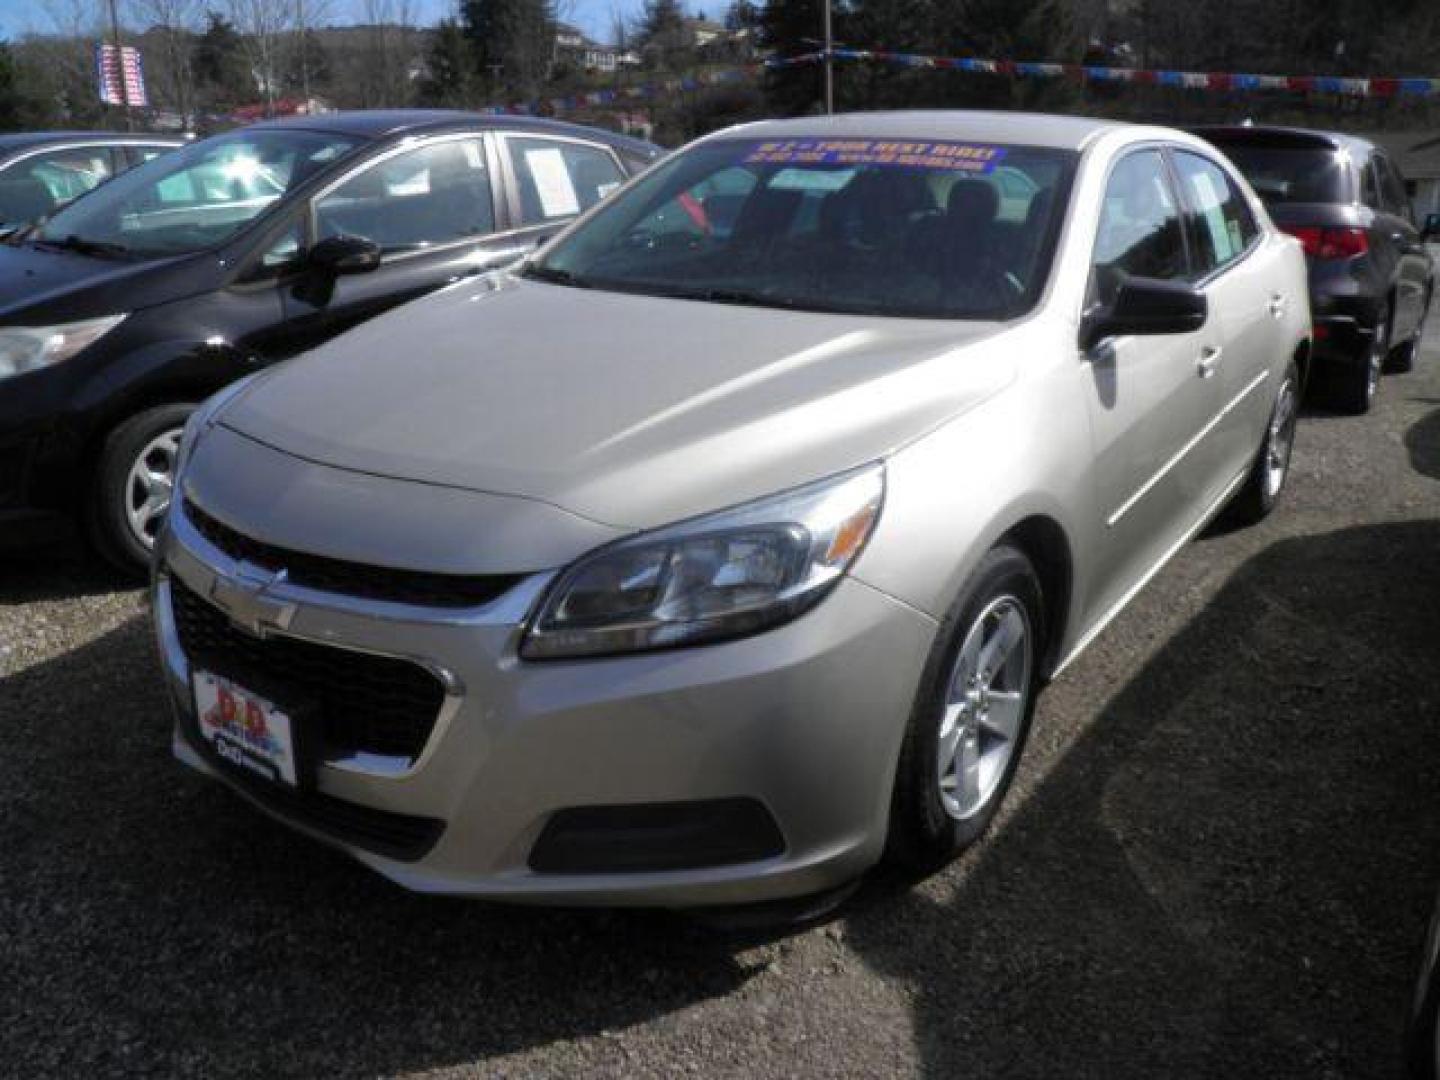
(246, 598)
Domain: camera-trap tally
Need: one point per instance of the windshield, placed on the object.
(194, 198)
(918, 229)
(1281, 174)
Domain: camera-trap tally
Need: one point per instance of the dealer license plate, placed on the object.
(244, 729)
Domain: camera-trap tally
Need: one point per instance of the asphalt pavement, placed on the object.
(1218, 861)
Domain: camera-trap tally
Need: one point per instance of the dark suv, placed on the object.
(1370, 275)
(150, 293)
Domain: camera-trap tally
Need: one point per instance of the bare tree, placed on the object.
(263, 25)
(388, 51)
(173, 25)
(308, 15)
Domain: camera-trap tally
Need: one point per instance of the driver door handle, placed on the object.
(1277, 306)
(1209, 357)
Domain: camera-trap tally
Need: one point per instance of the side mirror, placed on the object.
(1432, 227)
(1145, 306)
(345, 255)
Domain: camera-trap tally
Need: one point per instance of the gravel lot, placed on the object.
(1218, 862)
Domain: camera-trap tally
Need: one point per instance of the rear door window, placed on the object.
(1218, 220)
(557, 179)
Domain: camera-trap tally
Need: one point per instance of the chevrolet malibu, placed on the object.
(722, 549)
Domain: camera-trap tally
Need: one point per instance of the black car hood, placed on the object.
(45, 285)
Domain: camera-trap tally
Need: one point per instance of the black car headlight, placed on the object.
(30, 348)
(721, 576)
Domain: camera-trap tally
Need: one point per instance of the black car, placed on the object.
(147, 295)
(41, 171)
(1370, 276)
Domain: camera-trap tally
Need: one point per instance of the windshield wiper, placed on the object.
(82, 246)
(553, 274)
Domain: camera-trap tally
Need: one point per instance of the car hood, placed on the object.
(628, 410)
(43, 285)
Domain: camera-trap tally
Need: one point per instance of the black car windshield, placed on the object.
(194, 198)
(940, 229)
(1293, 175)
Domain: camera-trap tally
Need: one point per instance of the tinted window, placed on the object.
(558, 180)
(434, 194)
(39, 185)
(918, 229)
(200, 196)
(1140, 233)
(1291, 175)
(1220, 223)
(1370, 186)
(1392, 188)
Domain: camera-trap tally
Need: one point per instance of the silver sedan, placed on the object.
(723, 548)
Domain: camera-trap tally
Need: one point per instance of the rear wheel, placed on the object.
(1352, 389)
(972, 716)
(133, 485)
(1272, 463)
(1403, 358)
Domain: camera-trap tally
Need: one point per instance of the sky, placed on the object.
(593, 16)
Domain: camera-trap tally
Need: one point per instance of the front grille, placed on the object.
(368, 704)
(403, 837)
(351, 578)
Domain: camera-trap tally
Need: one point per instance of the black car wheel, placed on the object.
(972, 715)
(133, 484)
(1352, 388)
(1422, 1036)
(1402, 359)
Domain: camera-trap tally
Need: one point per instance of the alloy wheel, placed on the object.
(1379, 350)
(987, 694)
(1280, 440)
(150, 486)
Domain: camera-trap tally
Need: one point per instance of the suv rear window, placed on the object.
(1292, 175)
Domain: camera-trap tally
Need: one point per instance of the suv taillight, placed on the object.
(1330, 243)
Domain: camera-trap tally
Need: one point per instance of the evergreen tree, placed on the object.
(664, 36)
(451, 68)
(514, 43)
(11, 103)
(220, 67)
(792, 28)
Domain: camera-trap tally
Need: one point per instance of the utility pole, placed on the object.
(120, 67)
(304, 52)
(829, 61)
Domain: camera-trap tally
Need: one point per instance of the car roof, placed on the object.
(23, 140)
(1292, 138)
(382, 123)
(973, 125)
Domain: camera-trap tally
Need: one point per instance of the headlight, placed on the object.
(29, 348)
(721, 576)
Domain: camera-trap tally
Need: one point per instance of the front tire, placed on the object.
(134, 481)
(972, 715)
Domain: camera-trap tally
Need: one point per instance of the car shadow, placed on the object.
(152, 922)
(1237, 859)
(1422, 440)
(53, 564)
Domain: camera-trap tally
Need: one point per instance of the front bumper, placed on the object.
(805, 721)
